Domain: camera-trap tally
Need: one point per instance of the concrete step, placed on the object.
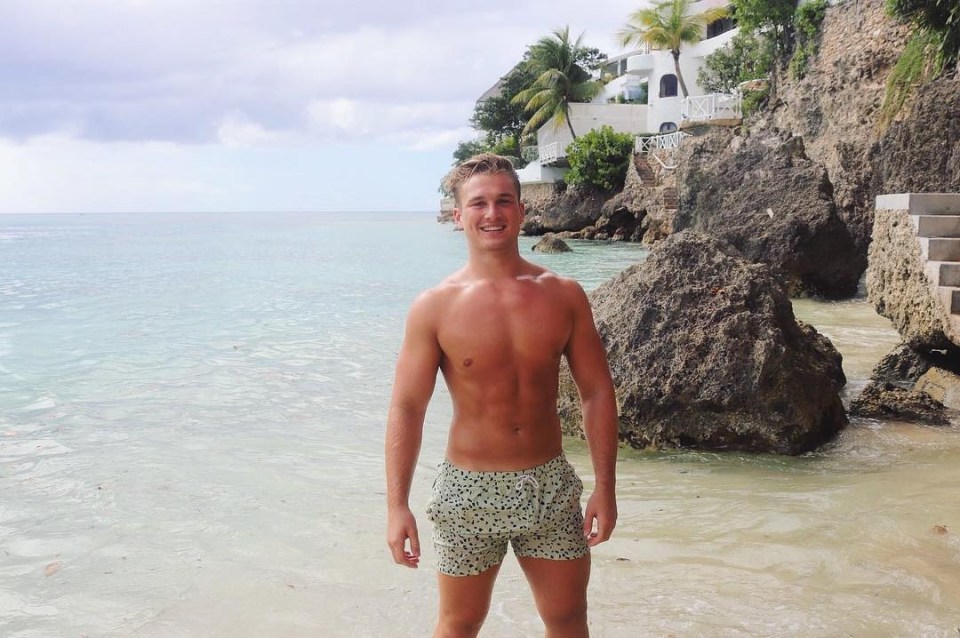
(937, 225)
(950, 296)
(921, 203)
(949, 275)
(943, 249)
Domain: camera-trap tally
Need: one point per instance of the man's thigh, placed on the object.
(464, 600)
(559, 586)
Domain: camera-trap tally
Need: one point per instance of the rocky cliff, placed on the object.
(827, 127)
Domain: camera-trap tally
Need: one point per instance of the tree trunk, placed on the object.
(676, 65)
(569, 124)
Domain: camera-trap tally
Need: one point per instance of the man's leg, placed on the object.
(560, 590)
(464, 601)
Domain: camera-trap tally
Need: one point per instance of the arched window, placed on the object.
(668, 127)
(668, 85)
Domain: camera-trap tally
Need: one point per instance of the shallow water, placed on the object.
(191, 425)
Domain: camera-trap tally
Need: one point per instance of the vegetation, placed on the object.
(744, 58)
(560, 81)
(500, 121)
(933, 49)
(807, 21)
(938, 20)
(771, 20)
(669, 25)
(599, 159)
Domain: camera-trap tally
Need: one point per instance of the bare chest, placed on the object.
(519, 326)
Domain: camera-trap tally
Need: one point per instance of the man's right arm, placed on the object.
(415, 378)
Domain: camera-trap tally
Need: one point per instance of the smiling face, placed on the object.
(489, 211)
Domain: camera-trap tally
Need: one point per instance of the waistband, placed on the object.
(556, 462)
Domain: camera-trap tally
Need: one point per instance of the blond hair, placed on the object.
(482, 164)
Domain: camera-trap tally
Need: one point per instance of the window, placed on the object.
(718, 27)
(668, 85)
(668, 127)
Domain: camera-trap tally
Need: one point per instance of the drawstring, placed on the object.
(527, 478)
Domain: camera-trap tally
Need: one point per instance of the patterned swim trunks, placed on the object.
(476, 514)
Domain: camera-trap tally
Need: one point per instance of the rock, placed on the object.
(902, 365)
(764, 196)
(705, 352)
(551, 244)
(942, 385)
(572, 209)
(882, 400)
(921, 153)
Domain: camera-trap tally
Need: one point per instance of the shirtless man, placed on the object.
(497, 329)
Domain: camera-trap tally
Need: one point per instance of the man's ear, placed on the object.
(456, 217)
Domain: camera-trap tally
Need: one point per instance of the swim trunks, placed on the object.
(476, 514)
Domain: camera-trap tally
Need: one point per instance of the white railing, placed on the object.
(646, 144)
(550, 153)
(716, 106)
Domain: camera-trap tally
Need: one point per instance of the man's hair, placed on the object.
(482, 164)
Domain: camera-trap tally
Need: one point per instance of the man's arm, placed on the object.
(591, 374)
(415, 378)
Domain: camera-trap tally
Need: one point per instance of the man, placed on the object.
(497, 329)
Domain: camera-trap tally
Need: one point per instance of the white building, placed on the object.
(631, 76)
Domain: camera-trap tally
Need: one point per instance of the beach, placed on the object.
(191, 443)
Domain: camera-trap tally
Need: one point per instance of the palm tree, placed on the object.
(669, 25)
(560, 81)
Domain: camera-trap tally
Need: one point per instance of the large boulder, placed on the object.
(551, 244)
(705, 352)
(766, 197)
(571, 209)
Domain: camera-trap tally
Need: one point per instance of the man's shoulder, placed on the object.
(442, 293)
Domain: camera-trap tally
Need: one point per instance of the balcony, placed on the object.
(640, 64)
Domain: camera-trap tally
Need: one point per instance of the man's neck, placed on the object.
(496, 265)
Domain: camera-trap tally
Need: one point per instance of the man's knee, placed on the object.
(570, 615)
(460, 623)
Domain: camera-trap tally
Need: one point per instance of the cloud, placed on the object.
(141, 104)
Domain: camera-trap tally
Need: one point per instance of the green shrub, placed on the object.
(753, 101)
(599, 159)
(744, 58)
(807, 23)
(910, 71)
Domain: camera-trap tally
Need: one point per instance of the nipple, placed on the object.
(467, 362)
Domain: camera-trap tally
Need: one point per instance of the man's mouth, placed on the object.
(492, 229)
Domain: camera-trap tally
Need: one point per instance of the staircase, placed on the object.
(936, 221)
(671, 199)
(647, 176)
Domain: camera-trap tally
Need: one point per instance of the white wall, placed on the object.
(624, 118)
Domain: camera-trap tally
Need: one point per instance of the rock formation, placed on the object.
(705, 352)
(880, 400)
(551, 244)
(766, 197)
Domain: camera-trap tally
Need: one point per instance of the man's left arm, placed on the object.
(591, 374)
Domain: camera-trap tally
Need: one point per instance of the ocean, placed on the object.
(191, 444)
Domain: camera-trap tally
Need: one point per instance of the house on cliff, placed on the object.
(641, 97)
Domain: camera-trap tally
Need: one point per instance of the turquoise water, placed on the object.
(191, 418)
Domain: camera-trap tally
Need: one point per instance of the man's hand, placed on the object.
(600, 517)
(402, 527)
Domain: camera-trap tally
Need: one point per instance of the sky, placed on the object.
(254, 105)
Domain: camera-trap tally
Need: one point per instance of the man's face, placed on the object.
(489, 211)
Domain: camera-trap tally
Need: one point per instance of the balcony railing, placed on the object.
(550, 153)
(646, 144)
(716, 106)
